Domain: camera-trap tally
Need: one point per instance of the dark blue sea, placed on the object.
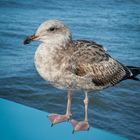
(113, 23)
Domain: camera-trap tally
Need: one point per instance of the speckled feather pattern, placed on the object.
(79, 64)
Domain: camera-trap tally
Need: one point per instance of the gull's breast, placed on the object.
(53, 68)
(43, 63)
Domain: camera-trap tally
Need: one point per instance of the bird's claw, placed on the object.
(57, 118)
(80, 126)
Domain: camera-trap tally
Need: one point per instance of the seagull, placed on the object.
(75, 65)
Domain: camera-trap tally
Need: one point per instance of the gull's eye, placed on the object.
(51, 29)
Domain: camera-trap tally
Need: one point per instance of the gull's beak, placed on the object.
(30, 39)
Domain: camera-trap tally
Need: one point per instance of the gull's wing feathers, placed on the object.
(89, 51)
(91, 60)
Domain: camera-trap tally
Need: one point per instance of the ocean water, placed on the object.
(114, 24)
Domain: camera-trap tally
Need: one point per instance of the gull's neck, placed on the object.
(54, 46)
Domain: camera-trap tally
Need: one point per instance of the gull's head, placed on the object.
(51, 31)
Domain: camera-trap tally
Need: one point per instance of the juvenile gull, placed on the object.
(75, 65)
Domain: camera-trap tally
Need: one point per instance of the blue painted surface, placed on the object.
(20, 122)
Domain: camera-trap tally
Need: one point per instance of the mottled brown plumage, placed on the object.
(91, 60)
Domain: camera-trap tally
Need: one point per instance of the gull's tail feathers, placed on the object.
(135, 71)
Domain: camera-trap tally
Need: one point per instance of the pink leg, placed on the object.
(82, 125)
(68, 112)
(57, 118)
(86, 106)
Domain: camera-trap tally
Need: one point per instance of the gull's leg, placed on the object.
(86, 106)
(82, 125)
(57, 118)
(68, 111)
